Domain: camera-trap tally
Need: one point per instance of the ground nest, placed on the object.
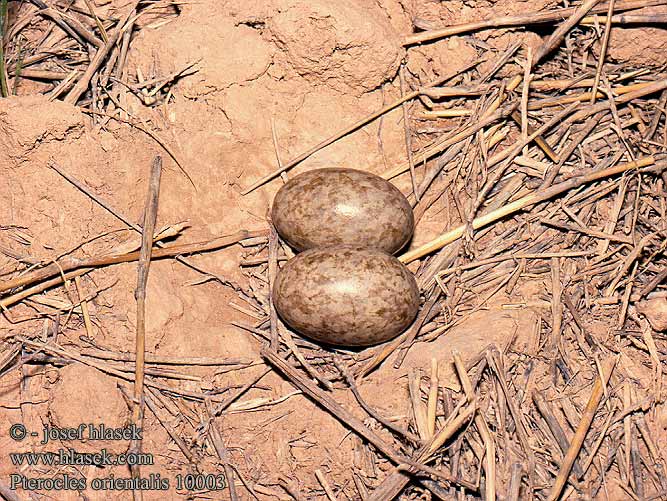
(142, 144)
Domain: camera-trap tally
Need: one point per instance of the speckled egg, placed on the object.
(346, 295)
(336, 206)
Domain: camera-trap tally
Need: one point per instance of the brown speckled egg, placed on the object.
(335, 206)
(346, 295)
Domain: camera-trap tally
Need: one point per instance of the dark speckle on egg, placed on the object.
(337, 206)
(346, 295)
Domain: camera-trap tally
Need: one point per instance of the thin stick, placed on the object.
(69, 264)
(223, 453)
(432, 398)
(342, 414)
(150, 218)
(482, 428)
(330, 405)
(154, 136)
(582, 430)
(109, 369)
(522, 203)
(84, 80)
(451, 140)
(603, 51)
(396, 481)
(521, 20)
(273, 271)
(556, 37)
(19, 296)
(84, 307)
(408, 142)
(99, 24)
(164, 360)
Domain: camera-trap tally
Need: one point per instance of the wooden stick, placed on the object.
(521, 20)
(69, 264)
(330, 405)
(396, 481)
(556, 37)
(273, 271)
(482, 428)
(150, 218)
(448, 141)
(84, 80)
(582, 430)
(522, 203)
(19, 296)
(343, 415)
(432, 398)
(163, 359)
(603, 51)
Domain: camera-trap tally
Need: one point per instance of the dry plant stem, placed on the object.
(163, 360)
(84, 308)
(482, 428)
(657, 280)
(19, 296)
(603, 51)
(660, 109)
(553, 171)
(495, 362)
(555, 428)
(582, 430)
(57, 18)
(99, 24)
(291, 344)
(115, 212)
(396, 481)
(556, 37)
(223, 453)
(433, 398)
(69, 264)
(641, 91)
(325, 485)
(327, 402)
(522, 203)
(80, 186)
(222, 406)
(101, 54)
(371, 412)
(108, 369)
(273, 270)
(515, 482)
(150, 403)
(626, 19)
(406, 128)
(342, 133)
(150, 218)
(510, 153)
(521, 20)
(418, 406)
(410, 335)
(539, 140)
(343, 415)
(451, 140)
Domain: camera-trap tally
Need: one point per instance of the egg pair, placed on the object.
(345, 288)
